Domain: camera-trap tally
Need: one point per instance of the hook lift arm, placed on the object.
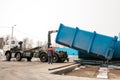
(49, 36)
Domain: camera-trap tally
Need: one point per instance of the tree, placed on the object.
(30, 44)
(39, 43)
(25, 42)
(7, 38)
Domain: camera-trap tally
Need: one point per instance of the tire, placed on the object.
(62, 60)
(8, 56)
(43, 57)
(29, 58)
(55, 58)
(18, 57)
(63, 56)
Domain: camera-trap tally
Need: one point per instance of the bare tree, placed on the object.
(39, 43)
(30, 44)
(25, 42)
(7, 37)
(44, 46)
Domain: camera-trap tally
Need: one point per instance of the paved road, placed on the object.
(34, 70)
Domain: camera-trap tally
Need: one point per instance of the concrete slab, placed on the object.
(64, 70)
(103, 73)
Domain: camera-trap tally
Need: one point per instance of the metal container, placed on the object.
(90, 44)
(116, 54)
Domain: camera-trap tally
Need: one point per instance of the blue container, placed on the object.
(116, 54)
(70, 52)
(94, 44)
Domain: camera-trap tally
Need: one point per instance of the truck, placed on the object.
(37, 52)
(18, 53)
(90, 45)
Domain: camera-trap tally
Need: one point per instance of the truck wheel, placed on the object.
(29, 58)
(18, 57)
(43, 57)
(55, 58)
(62, 60)
(8, 56)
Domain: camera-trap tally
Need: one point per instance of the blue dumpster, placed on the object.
(90, 44)
(116, 54)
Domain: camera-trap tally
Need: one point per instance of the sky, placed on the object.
(34, 18)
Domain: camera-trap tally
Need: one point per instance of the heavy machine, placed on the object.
(91, 46)
(18, 53)
(37, 52)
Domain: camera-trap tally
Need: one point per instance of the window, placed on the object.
(12, 42)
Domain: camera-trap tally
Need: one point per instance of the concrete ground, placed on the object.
(35, 70)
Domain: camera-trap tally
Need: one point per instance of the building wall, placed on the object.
(1, 43)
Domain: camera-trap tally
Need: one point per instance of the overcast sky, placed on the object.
(33, 18)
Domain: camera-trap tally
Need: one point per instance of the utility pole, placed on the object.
(12, 36)
(12, 31)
